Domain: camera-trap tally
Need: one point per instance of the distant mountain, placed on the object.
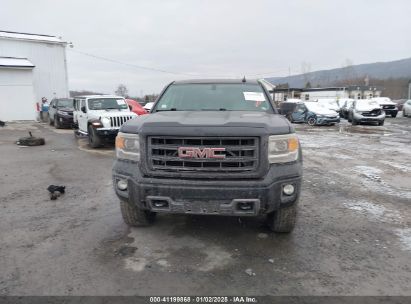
(381, 70)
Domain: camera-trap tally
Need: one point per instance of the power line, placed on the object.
(131, 64)
(172, 72)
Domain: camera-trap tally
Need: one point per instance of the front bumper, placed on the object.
(361, 118)
(107, 132)
(327, 120)
(66, 121)
(218, 197)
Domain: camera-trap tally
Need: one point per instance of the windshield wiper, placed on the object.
(164, 110)
(220, 109)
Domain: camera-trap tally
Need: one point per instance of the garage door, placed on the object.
(17, 101)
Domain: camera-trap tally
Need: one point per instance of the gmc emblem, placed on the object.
(193, 152)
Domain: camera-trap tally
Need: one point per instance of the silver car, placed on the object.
(406, 108)
(366, 111)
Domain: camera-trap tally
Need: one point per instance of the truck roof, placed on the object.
(98, 96)
(211, 81)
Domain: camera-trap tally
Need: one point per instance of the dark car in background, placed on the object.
(286, 108)
(61, 112)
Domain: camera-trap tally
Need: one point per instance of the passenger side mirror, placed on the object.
(83, 109)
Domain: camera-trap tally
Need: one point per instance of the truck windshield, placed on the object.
(106, 103)
(213, 97)
(65, 103)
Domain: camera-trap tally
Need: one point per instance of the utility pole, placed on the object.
(289, 74)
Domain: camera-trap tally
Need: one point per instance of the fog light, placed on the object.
(122, 184)
(288, 189)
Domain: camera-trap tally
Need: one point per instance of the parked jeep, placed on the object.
(100, 117)
(211, 147)
(365, 110)
(61, 113)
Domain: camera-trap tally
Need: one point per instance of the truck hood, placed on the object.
(111, 113)
(324, 111)
(202, 122)
(366, 107)
(69, 110)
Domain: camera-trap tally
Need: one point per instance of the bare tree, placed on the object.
(122, 90)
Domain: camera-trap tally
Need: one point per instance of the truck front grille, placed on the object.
(375, 112)
(118, 121)
(241, 154)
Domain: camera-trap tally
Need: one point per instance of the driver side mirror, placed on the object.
(83, 109)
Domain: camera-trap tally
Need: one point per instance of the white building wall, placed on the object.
(17, 100)
(332, 94)
(50, 71)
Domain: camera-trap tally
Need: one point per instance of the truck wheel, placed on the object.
(381, 123)
(354, 122)
(283, 220)
(312, 121)
(289, 117)
(93, 139)
(134, 216)
(403, 113)
(56, 122)
(394, 115)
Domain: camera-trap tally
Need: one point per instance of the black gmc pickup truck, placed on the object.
(212, 147)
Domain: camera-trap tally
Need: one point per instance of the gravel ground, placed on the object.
(353, 235)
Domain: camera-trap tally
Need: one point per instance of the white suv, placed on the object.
(100, 117)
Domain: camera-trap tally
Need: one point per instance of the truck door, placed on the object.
(299, 113)
(82, 115)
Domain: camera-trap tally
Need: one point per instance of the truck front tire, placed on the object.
(283, 220)
(56, 122)
(93, 139)
(134, 216)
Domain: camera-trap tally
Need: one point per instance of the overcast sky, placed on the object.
(213, 38)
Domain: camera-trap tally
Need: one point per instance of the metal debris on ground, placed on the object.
(31, 141)
(56, 191)
(250, 272)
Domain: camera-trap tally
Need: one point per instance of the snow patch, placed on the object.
(136, 264)
(216, 258)
(405, 237)
(403, 168)
(369, 172)
(374, 211)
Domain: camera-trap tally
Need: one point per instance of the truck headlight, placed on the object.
(282, 148)
(106, 122)
(128, 146)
